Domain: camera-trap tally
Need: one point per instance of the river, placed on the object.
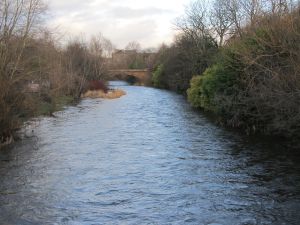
(146, 158)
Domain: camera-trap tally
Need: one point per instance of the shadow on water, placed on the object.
(146, 158)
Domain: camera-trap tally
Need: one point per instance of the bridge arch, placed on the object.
(139, 76)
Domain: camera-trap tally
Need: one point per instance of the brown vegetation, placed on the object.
(111, 94)
(36, 75)
(268, 95)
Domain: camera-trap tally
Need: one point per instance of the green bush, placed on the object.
(157, 76)
(215, 83)
(194, 93)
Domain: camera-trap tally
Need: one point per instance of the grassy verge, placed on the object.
(56, 104)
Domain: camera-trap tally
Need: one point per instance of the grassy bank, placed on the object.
(57, 104)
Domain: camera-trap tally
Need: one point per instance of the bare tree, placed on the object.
(252, 9)
(279, 7)
(220, 20)
(195, 21)
(101, 46)
(108, 48)
(133, 46)
(18, 20)
(236, 15)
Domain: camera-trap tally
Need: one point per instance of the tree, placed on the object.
(195, 21)
(18, 20)
(252, 9)
(101, 46)
(220, 20)
(133, 46)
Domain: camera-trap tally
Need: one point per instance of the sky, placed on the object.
(149, 22)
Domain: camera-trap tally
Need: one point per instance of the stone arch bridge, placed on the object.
(134, 76)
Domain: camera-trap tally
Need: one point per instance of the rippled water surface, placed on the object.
(146, 158)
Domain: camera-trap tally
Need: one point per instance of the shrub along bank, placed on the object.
(253, 80)
(256, 83)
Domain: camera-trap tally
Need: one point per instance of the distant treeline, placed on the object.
(239, 59)
(37, 75)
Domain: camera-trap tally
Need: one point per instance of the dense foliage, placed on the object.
(212, 87)
(256, 83)
(187, 56)
(242, 61)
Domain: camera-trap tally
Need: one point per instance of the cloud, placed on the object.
(123, 34)
(122, 12)
(122, 21)
(59, 7)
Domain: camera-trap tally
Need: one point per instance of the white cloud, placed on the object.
(149, 22)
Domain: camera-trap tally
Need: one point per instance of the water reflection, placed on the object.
(146, 158)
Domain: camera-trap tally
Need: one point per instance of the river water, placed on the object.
(146, 158)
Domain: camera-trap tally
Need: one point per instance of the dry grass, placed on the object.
(112, 94)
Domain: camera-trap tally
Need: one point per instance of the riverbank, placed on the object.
(37, 74)
(40, 107)
(251, 81)
(58, 103)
